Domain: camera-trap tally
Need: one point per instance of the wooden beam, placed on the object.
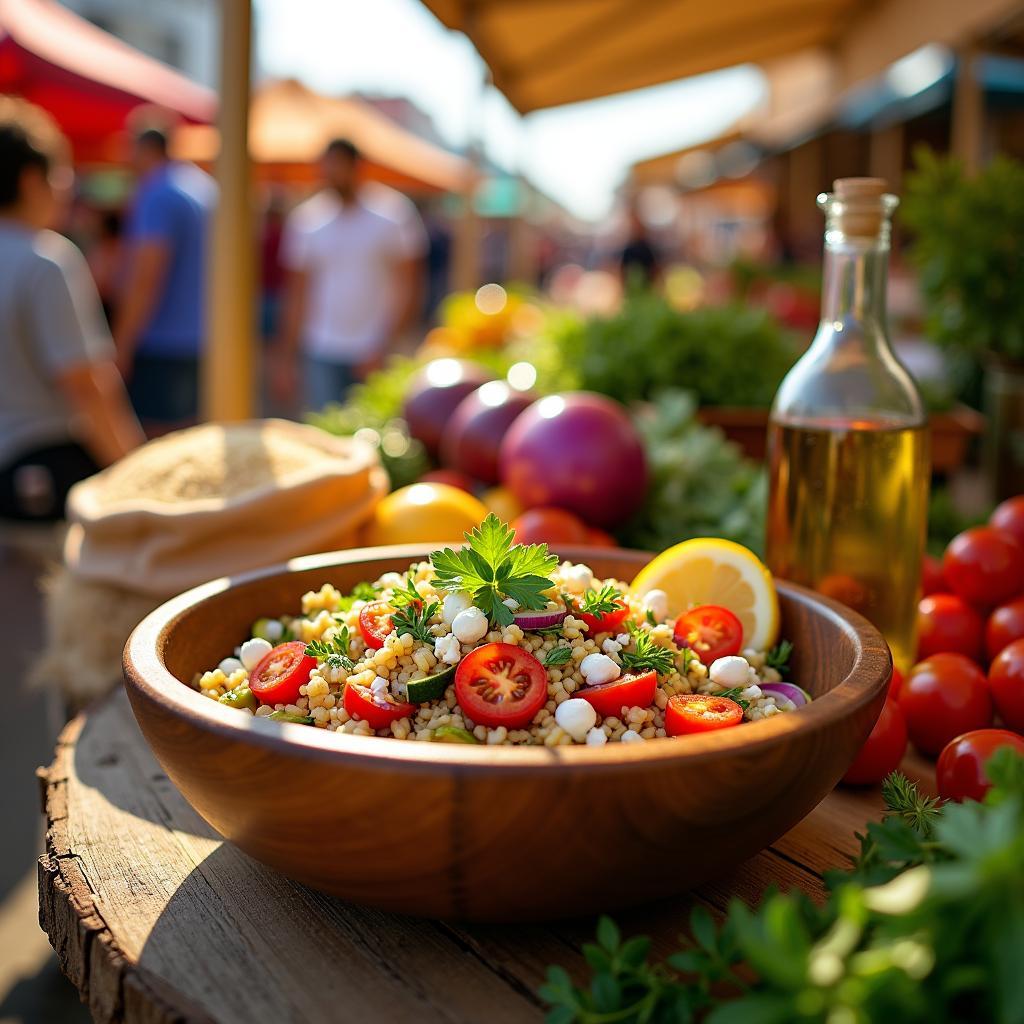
(228, 377)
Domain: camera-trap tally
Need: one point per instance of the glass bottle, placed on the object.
(848, 441)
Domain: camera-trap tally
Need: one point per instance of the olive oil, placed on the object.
(846, 516)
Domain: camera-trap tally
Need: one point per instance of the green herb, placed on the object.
(493, 568)
(333, 652)
(778, 657)
(414, 619)
(647, 654)
(925, 929)
(601, 602)
(651, 618)
(734, 696)
(689, 656)
(360, 592)
(557, 656)
(402, 597)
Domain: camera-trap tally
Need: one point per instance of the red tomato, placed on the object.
(360, 702)
(501, 684)
(943, 696)
(1009, 517)
(960, 773)
(628, 691)
(895, 683)
(883, 750)
(1006, 681)
(280, 673)
(984, 566)
(932, 580)
(452, 477)
(710, 630)
(375, 623)
(1004, 625)
(606, 622)
(600, 538)
(549, 526)
(948, 624)
(697, 712)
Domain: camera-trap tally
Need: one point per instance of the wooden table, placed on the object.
(156, 919)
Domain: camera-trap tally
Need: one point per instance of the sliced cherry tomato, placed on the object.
(1009, 517)
(883, 750)
(361, 702)
(1004, 625)
(628, 691)
(606, 622)
(280, 673)
(985, 566)
(943, 696)
(698, 712)
(711, 631)
(932, 580)
(375, 623)
(1006, 681)
(501, 684)
(895, 683)
(960, 773)
(948, 624)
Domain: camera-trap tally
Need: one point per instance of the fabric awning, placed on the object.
(88, 80)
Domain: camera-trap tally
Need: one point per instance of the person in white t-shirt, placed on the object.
(353, 257)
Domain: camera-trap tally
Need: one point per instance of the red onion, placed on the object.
(541, 618)
(790, 691)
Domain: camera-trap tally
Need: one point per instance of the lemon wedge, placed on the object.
(708, 570)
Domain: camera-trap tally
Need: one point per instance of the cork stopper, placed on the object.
(862, 209)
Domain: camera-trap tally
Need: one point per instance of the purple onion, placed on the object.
(790, 691)
(542, 618)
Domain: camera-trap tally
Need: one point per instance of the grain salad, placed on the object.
(498, 643)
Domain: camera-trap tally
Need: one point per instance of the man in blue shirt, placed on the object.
(160, 323)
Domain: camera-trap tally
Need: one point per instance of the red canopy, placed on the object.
(88, 80)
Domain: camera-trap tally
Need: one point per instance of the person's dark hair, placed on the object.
(29, 137)
(342, 147)
(154, 139)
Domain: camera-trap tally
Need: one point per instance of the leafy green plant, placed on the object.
(926, 928)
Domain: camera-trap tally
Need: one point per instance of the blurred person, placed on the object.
(104, 256)
(159, 325)
(639, 262)
(353, 256)
(272, 275)
(63, 408)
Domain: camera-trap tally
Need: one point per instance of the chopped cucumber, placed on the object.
(240, 697)
(453, 734)
(430, 687)
(286, 716)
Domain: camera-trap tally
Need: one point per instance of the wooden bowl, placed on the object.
(492, 833)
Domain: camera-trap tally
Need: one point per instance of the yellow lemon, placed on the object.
(424, 513)
(708, 570)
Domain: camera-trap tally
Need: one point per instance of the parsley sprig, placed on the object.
(492, 568)
(333, 652)
(412, 613)
(599, 602)
(778, 657)
(734, 695)
(557, 656)
(647, 654)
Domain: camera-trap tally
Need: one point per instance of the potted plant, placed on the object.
(969, 250)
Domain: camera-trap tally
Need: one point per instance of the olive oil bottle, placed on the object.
(848, 437)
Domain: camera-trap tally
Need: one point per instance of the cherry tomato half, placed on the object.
(1009, 517)
(361, 702)
(280, 673)
(943, 696)
(606, 622)
(698, 712)
(375, 623)
(932, 580)
(948, 624)
(1004, 625)
(883, 750)
(1006, 681)
(711, 631)
(960, 773)
(549, 525)
(501, 684)
(628, 691)
(984, 566)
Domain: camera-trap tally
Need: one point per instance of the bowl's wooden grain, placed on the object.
(486, 833)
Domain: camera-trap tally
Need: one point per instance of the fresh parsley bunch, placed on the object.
(333, 652)
(492, 567)
(412, 613)
(926, 928)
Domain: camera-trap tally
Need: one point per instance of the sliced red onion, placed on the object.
(541, 618)
(797, 694)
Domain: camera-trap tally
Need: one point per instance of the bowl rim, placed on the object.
(146, 673)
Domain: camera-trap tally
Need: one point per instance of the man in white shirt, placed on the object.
(354, 263)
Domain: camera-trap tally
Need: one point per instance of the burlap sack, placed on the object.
(216, 500)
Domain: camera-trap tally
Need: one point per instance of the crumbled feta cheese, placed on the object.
(599, 668)
(632, 736)
(511, 602)
(611, 646)
(752, 692)
(453, 604)
(470, 625)
(729, 672)
(448, 649)
(380, 686)
(656, 602)
(623, 639)
(577, 578)
(253, 651)
(596, 737)
(576, 716)
(230, 665)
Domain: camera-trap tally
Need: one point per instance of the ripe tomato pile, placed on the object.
(969, 677)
